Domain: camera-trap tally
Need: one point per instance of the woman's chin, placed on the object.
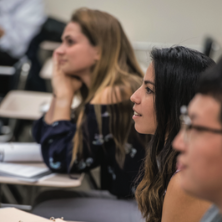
(142, 130)
(139, 130)
(67, 71)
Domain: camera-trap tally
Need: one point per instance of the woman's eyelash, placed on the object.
(70, 41)
(148, 90)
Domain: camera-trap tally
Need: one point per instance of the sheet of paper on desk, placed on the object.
(19, 170)
(20, 152)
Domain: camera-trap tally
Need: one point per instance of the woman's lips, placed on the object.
(180, 166)
(62, 61)
(136, 115)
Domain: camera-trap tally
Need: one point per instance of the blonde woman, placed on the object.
(97, 62)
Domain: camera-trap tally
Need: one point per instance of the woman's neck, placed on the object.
(86, 79)
(85, 76)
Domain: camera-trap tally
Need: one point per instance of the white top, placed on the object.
(21, 20)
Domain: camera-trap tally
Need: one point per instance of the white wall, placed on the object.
(183, 22)
(167, 21)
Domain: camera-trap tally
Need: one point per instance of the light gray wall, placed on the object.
(150, 23)
(166, 21)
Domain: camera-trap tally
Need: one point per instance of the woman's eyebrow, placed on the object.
(148, 82)
(65, 37)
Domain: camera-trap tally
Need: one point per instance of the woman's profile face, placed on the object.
(76, 55)
(143, 99)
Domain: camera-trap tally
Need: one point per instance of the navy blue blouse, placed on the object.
(57, 142)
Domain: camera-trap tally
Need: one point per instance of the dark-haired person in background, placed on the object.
(170, 82)
(200, 143)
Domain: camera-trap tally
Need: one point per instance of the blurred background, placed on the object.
(147, 23)
(171, 21)
(151, 23)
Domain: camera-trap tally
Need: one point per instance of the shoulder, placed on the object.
(179, 206)
(110, 95)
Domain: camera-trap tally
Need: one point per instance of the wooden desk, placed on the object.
(13, 214)
(28, 105)
(24, 104)
(55, 180)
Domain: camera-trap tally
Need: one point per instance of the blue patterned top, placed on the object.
(98, 150)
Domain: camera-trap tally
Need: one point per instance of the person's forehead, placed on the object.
(71, 29)
(204, 108)
(150, 73)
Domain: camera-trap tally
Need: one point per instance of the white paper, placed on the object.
(21, 170)
(20, 152)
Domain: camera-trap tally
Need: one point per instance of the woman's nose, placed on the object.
(60, 49)
(135, 98)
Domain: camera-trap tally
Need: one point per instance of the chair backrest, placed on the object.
(12, 77)
(212, 48)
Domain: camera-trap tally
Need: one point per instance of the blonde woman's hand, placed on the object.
(64, 86)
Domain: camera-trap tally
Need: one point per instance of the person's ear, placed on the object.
(97, 54)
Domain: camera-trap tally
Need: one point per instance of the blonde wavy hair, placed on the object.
(116, 69)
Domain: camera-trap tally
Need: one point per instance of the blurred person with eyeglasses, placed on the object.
(200, 143)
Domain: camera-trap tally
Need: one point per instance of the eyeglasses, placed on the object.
(186, 125)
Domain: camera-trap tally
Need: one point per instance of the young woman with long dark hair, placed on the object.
(169, 83)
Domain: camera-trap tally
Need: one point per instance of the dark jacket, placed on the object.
(98, 150)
